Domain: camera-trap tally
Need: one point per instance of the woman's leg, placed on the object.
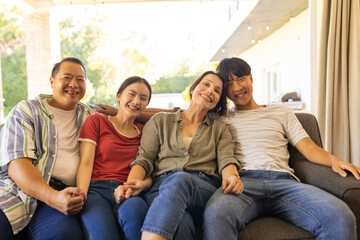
(186, 228)
(131, 215)
(97, 216)
(177, 192)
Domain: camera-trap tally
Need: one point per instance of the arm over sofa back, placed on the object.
(347, 189)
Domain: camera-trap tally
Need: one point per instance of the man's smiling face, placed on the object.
(240, 90)
(69, 86)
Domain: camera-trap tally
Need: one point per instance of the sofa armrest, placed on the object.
(323, 177)
(347, 189)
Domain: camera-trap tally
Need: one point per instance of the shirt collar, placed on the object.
(207, 120)
(41, 97)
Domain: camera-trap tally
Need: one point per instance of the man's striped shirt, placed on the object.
(29, 133)
(262, 135)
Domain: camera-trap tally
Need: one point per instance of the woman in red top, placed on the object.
(107, 146)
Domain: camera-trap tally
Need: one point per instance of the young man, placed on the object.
(39, 159)
(261, 134)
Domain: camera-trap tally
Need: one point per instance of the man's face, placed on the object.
(68, 86)
(239, 90)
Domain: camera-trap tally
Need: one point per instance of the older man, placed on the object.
(39, 159)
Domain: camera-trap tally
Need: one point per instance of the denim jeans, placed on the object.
(101, 215)
(177, 202)
(49, 223)
(278, 194)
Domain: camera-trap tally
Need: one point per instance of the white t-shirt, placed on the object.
(262, 136)
(68, 151)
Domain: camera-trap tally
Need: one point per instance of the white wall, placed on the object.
(288, 47)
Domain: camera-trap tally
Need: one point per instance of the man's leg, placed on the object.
(226, 214)
(312, 209)
(6, 232)
(131, 215)
(49, 223)
(97, 217)
(177, 192)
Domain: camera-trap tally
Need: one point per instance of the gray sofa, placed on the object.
(347, 189)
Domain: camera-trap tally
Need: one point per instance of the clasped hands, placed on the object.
(69, 201)
(129, 189)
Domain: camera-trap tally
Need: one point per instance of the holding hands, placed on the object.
(131, 188)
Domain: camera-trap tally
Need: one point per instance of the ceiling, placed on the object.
(274, 13)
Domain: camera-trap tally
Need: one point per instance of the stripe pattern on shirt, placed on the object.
(28, 133)
(262, 136)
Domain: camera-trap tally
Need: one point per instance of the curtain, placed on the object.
(338, 87)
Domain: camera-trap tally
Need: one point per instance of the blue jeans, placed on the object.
(49, 223)
(101, 214)
(278, 194)
(177, 202)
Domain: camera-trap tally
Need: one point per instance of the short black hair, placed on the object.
(235, 66)
(221, 106)
(56, 66)
(134, 79)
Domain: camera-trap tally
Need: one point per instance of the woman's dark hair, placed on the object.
(221, 106)
(132, 80)
(56, 66)
(235, 66)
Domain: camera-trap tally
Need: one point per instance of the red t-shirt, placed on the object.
(114, 151)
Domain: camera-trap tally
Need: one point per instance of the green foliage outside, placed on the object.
(11, 22)
(133, 63)
(80, 37)
(173, 83)
(13, 59)
(178, 82)
(14, 78)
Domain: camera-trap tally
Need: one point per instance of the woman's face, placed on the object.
(207, 93)
(134, 99)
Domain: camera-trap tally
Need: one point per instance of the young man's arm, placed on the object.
(316, 154)
(28, 178)
(149, 112)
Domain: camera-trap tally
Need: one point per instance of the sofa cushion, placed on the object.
(268, 228)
